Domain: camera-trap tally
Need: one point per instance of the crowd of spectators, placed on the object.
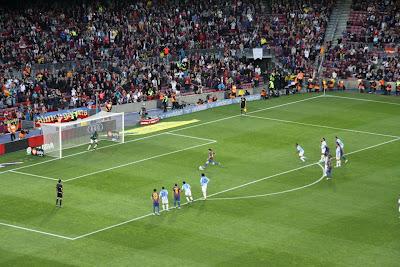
(124, 34)
(114, 42)
(111, 30)
(297, 31)
(121, 84)
(370, 47)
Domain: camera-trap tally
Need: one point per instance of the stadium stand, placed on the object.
(369, 48)
(123, 52)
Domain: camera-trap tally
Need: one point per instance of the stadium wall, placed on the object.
(21, 144)
(186, 99)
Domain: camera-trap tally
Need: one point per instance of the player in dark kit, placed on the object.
(156, 202)
(243, 105)
(60, 192)
(177, 196)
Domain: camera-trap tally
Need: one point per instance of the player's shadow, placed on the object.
(174, 214)
(332, 185)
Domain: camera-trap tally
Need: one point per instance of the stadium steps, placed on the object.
(338, 21)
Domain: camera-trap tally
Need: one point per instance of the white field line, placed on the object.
(322, 126)
(366, 100)
(137, 161)
(262, 179)
(36, 231)
(251, 112)
(274, 193)
(305, 166)
(229, 189)
(128, 221)
(193, 137)
(150, 214)
(34, 175)
(172, 131)
(373, 146)
(82, 152)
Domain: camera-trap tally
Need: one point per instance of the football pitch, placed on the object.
(265, 207)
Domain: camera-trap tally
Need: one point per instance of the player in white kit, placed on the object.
(300, 150)
(188, 191)
(323, 150)
(339, 155)
(164, 198)
(204, 182)
(341, 144)
(399, 204)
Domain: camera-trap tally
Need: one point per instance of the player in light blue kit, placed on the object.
(300, 150)
(188, 191)
(204, 182)
(341, 144)
(164, 198)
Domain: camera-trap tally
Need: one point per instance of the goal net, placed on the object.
(58, 137)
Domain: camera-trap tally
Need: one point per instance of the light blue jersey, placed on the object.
(204, 180)
(163, 193)
(186, 187)
(299, 149)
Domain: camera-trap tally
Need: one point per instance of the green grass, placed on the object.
(352, 220)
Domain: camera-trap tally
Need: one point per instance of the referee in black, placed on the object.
(243, 105)
(59, 191)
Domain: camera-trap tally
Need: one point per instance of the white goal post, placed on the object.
(57, 137)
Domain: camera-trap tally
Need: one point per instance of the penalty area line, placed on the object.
(230, 189)
(159, 134)
(34, 175)
(321, 126)
(200, 199)
(274, 193)
(305, 166)
(36, 231)
(365, 100)
(193, 137)
(138, 161)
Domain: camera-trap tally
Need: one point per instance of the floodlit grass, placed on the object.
(351, 220)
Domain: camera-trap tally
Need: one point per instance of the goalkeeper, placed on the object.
(93, 141)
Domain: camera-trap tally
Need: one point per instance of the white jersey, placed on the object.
(326, 162)
(300, 150)
(164, 196)
(323, 147)
(338, 153)
(340, 143)
(187, 189)
(399, 201)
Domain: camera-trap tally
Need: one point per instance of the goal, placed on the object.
(58, 137)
